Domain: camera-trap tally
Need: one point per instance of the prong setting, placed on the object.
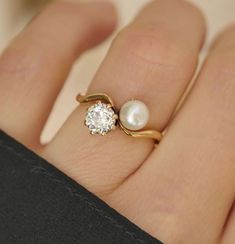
(115, 116)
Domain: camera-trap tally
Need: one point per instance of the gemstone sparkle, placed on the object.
(100, 118)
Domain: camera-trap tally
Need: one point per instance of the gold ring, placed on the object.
(102, 117)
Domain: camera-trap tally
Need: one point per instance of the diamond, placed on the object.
(100, 118)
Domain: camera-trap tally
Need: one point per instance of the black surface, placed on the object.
(39, 204)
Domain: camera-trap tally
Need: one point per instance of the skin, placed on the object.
(181, 191)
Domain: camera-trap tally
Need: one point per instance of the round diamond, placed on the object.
(100, 118)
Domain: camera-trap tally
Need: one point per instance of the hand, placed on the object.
(181, 191)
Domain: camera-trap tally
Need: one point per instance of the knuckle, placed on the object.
(148, 52)
(149, 43)
(20, 63)
(24, 61)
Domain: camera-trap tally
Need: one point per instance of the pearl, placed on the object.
(134, 115)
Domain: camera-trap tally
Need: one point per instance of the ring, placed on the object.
(102, 117)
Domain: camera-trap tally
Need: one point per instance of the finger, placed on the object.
(35, 65)
(228, 236)
(227, 46)
(151, 60)
(188, 183)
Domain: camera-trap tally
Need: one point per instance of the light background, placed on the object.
(14, 15)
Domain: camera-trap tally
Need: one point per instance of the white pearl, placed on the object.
(134, 115)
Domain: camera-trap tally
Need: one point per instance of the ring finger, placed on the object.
(151, 60)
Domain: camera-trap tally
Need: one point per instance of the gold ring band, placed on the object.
(104, 105)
